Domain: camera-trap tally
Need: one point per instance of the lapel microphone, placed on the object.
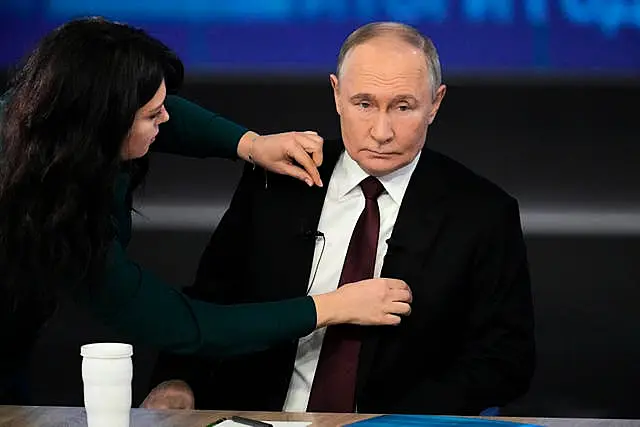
(312, 234)
(315, 235)
(309, 231)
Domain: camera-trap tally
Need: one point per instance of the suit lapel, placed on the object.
(312, 199)
(414, 234)
(419, 219)
(304, 213)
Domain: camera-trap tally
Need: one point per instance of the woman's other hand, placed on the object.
(368, 302)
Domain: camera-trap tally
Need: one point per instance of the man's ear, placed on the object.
(336, 92)
(436, 103)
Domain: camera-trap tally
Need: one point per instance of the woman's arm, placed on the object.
(140, 305)
(197, 132)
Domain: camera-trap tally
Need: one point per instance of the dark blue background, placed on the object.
(475, 37)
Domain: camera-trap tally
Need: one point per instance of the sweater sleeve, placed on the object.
(140, 305)
(194, 131)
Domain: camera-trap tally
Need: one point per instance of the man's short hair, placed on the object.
(407, 34)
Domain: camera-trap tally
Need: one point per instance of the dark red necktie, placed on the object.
(334, 384)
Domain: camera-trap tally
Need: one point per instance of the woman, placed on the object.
(78, 121)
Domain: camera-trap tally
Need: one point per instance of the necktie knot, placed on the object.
(371, 187)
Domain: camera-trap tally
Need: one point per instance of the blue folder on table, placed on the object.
(435, 421)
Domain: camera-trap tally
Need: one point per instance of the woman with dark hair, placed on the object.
(77, 122)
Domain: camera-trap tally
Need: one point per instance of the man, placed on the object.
(454, 237)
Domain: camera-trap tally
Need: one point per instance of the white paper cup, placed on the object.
(107, 371)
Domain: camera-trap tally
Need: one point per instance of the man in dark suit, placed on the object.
(392, 208)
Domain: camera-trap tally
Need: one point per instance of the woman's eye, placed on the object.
(157, 114)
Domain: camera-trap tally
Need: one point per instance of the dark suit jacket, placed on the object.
(457, 242)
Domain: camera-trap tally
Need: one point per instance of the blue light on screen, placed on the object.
(474, 37)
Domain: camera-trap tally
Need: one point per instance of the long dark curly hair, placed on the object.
(68, 112)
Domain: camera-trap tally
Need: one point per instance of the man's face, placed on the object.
(385, 104)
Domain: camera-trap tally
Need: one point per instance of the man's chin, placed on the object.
(379, 165)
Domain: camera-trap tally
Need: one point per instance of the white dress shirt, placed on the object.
(343, 204)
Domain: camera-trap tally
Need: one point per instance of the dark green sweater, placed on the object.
(139, 304)
(135, 302)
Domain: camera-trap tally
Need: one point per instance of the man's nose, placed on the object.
(382, 131)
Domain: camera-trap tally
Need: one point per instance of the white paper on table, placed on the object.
(231, 423)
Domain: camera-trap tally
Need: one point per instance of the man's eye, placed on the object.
(404, 107)
(364, 104)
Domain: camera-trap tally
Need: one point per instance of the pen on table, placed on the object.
(250, 422)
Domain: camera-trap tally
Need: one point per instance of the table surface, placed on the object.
(36, 416)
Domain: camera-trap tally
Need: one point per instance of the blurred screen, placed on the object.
(503, 38)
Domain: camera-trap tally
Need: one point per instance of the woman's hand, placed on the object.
(297, 154)
(368, 302)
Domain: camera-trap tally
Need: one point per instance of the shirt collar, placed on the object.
(349, 174)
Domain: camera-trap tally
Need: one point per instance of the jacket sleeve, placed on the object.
(497, 359)
(194, 131)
